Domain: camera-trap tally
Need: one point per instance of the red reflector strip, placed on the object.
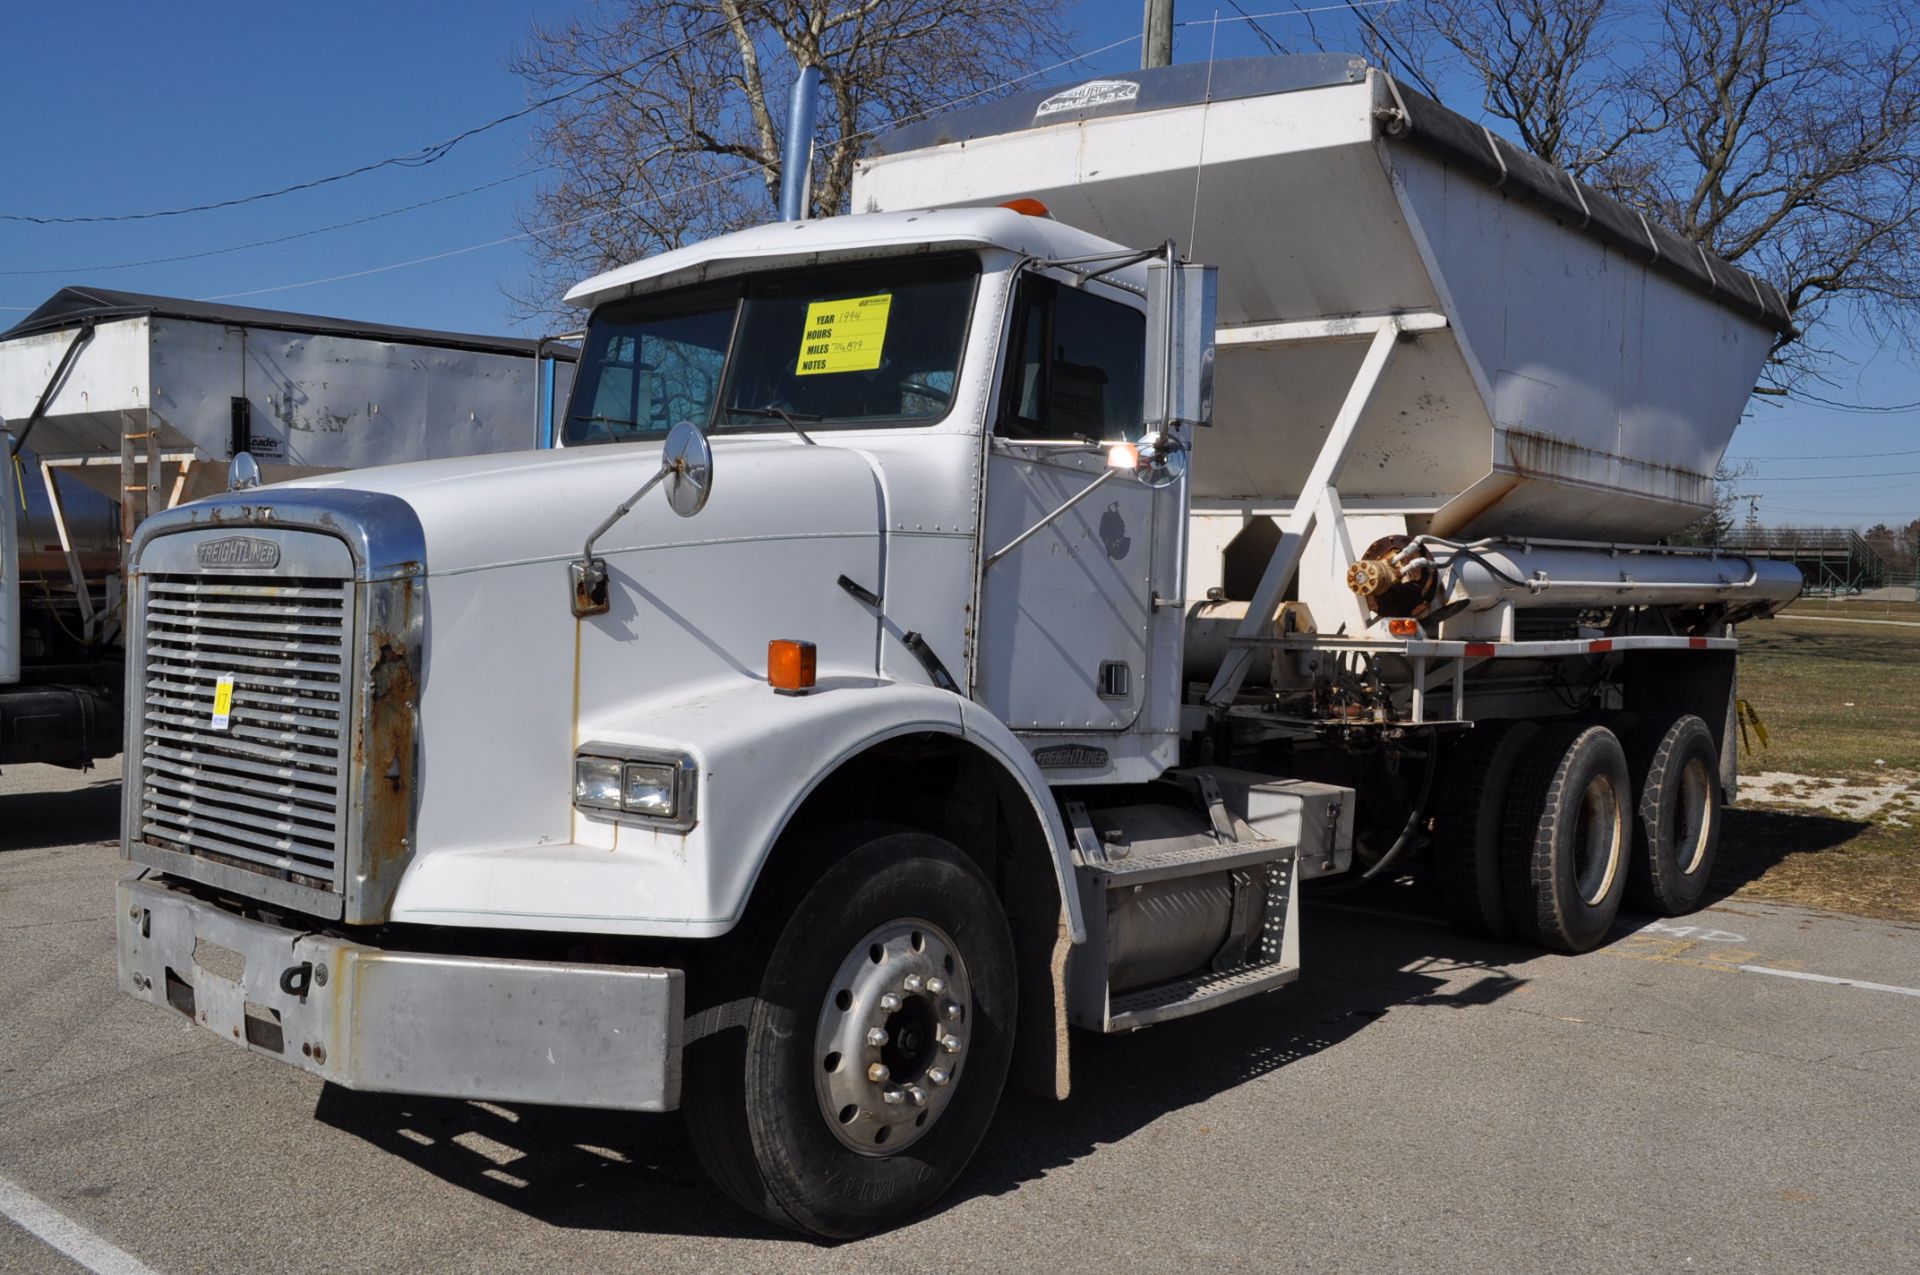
(1479, 648)
(1698, 644)
(1604, 644)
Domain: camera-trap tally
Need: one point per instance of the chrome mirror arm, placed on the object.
(589, 572)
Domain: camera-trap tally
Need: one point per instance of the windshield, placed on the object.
(852, 346)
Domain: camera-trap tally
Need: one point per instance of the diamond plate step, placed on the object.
(1188, 862)
(1193, 995)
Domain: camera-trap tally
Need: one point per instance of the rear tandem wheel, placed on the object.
(1567, 836)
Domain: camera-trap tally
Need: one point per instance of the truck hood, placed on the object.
(500, 510)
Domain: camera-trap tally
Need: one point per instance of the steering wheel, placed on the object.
(921, 389)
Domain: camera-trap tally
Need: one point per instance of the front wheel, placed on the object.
(857, 1048)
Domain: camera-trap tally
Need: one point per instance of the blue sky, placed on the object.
(118, 107)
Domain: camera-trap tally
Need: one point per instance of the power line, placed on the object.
(1821, 478)
(1272, 44)
(1834, 456)
(747, 171)
(1856, 407)
(264, 243)
(418, 158)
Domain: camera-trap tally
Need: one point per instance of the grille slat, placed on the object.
(253, 678)
(254, 712)
(229, 661)
(161, 786)
(293, 837)
(219, 609)
(252, 588)
(219, 626)
(247, 775)
(279, 864)
(200, 695)
(267, 792)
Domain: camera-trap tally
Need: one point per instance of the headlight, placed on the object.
(635, 785)
(596, 782)
(648, 789)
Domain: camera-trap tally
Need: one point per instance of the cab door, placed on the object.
(1066, 614)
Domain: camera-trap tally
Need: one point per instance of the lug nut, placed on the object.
(877, 1036)
(936, 985)
(918, 1095)
(950, 1011)
(913, 983)
(893, 1097)
(939, 1075)
(950, 1043)
(889, 1002)
(879, 1073)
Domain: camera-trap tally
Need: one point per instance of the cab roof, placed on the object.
(789, 243)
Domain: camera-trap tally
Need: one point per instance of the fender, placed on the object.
(758, 754)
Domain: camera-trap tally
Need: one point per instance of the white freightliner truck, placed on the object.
(1023, 615)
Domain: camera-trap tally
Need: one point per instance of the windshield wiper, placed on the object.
(773, 411)
(597, 419)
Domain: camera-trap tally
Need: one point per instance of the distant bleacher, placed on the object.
(1833, 559)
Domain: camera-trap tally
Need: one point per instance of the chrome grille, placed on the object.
(269, 792)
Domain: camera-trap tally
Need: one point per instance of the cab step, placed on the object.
(1195, 995)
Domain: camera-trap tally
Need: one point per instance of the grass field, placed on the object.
(1837, 821)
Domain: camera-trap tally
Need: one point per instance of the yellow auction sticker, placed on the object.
(844, 335)
(222, 702)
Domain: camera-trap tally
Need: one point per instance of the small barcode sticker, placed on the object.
(223, 701)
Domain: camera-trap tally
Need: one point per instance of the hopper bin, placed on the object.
(1590, 369)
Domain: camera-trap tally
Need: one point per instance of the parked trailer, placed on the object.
(123, 405)
(1025, 617)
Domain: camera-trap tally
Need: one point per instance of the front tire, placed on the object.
(857, 1045)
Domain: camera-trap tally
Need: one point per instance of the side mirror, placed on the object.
(687, 462)
(243, 472)
(1181, 301)
(686, 471)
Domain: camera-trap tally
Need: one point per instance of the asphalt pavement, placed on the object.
(1738, 1091)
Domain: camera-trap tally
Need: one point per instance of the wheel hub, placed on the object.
(892, 1033)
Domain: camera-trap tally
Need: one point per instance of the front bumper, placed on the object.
(407, 1022)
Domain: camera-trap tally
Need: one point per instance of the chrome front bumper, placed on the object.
(404, 1022)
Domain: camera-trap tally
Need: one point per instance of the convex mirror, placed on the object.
(687, 463)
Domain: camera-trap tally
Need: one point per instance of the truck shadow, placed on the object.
(31, 820)
(1754, 842)
(616, 1172)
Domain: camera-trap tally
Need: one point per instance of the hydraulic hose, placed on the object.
(1400, 844)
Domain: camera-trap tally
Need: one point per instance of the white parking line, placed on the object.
(58, 1231)
(1829, 979)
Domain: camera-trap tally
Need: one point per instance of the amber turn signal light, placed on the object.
(1028, 207)
(1403, 628)
(790, 664)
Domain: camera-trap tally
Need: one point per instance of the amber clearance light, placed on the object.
(790, 665)
(1029, 207)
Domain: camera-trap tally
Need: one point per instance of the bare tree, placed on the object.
(679, 136)
(1782, 134)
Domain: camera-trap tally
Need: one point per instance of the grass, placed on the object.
(1841, 703)
(1837, 699)
(1859, 608)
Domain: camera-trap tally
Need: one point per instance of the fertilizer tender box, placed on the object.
(1024, 618)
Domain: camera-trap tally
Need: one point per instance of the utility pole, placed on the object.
(1156, 34)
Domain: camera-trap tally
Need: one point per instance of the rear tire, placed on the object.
(1467, 825)
(788, 1001)
(1676, 771)
(1567, 837)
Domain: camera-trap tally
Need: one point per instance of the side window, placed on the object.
(1078, 365)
